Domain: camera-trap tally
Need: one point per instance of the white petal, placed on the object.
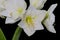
(42, 14)
(38, 26)
(52, 8)
(39, 4)
(49, 26)
(5, 13)
(2, 3)
(52, 18)
(28, 30)
(50, 13)
(13, 4)
(1, 9)
(22, 24)
(9, 21)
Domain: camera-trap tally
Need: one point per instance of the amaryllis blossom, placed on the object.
(14, 10)
(32, 20)
(50, 19)
(39, 4)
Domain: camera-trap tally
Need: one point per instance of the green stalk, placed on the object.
(2, 37)
(17, 34)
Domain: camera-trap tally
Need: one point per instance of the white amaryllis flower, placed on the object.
(49, 21)
(32, 20)
(14, 10)
(39, 4)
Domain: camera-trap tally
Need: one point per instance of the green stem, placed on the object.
(17, 34)
(2, 37)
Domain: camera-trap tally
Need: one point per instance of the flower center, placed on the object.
(29, 20)
(35, 2)
(19, 10)
(16, 13)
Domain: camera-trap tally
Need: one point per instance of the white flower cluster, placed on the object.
(32, 18)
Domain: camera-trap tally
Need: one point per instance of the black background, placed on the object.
(9, 29)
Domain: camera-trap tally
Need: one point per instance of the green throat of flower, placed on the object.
(20, 10)
(47, 15)
(29, 20)
(35, 2)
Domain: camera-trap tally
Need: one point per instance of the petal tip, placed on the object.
(53, 31)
